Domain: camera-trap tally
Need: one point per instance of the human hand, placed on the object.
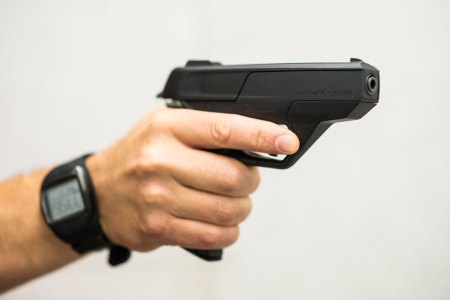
(158, 186)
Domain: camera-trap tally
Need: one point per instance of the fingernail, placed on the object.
(287, 143)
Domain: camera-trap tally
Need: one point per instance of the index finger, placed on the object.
(210, 130)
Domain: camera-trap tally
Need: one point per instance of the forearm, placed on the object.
(28, 248)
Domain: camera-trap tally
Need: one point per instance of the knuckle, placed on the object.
(233, 181)
(233, 237)
(226, 213)
(147, 227)
(246, 209)
(257, 140)
(152, 161)
(221, 131)
(159, 117)
(255, 179)
(152, 228)
(211, 238)
(156, 193)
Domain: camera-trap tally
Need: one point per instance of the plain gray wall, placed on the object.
(364, 215)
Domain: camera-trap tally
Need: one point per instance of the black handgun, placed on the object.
(305, 97)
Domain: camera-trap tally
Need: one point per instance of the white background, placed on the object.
(365, 214)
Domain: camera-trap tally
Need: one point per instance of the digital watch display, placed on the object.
(64, 200)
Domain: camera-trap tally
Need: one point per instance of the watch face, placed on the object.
(64, 199)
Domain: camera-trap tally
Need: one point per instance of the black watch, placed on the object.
(69, 207)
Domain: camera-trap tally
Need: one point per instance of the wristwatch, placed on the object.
(69, 207)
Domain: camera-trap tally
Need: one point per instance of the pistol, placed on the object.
(307, 98)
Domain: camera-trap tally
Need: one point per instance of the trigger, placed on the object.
(268, 156)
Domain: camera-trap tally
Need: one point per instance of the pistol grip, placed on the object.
(208, 255)
(307, 98)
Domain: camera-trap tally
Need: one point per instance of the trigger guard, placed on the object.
(266, 156)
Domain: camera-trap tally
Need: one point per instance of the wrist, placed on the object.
(101, 178)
